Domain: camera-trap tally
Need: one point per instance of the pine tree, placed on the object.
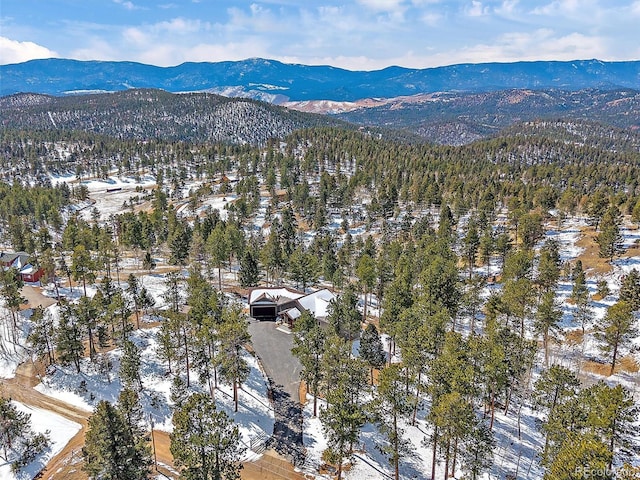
(503, 246)
(552, 390)
(303, 267)
(486, 247)
(472, 299)
(179, 392)
(271, 254)
(20, 445)
(616, 330)
(630, 289)
(371, 349)
(118, 312)
(531, 229)
(453, 417)
(610, 240)
(130, 363)
(366, 272)
(131, 409)
(48, 265)
(218, 248)
(111, 451)
(205, 442)
(344, 414)
(249, 270)
(391, 403)
(133, 289)
(69, 338)
(597, 206)
(42, 336)
(470, 245)
(233, 335)
(344, 318)
(582, 456)
(518, 297)
(179, 242)
(148, 263)
(398, 297)
(477, 450)
(82, 266)
(86, 316)
(309, 346)
(580, 295)
(611, 413)
(440, 280)
(548, 266)
(547, 320)
(10, 288)
(13, 425)
(173, 294)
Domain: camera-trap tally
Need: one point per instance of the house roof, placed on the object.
(275, 294)
(292, 313)
(28, 269)
(317, 302)
(14, 259)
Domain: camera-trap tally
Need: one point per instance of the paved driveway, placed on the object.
(283, 369)
(274, 349)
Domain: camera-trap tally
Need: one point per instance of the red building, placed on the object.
(20, 261)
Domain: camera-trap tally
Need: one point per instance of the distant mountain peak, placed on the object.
(303, 82)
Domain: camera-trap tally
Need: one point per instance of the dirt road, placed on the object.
(67, 464)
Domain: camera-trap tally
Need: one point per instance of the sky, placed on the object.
(353, 34)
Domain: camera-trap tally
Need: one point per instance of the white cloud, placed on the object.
(477, 9)
(431, 19)
(99, 49)
(13, 51)
(135, 36)
(508, 7)
(541, 44)
(566, 7)
(127, 4)
(382, 5)
(181, 26)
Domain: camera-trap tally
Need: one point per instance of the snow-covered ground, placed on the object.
(60, 430)
(12, 353)
(517, 443)
(254, 417)
(513, 453)
(108, 195)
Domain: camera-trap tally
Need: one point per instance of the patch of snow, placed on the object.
(60, 430)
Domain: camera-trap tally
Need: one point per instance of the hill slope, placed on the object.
(460, 118)
(144, 114)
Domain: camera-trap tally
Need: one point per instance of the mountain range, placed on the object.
(449, 105)
(277, 82)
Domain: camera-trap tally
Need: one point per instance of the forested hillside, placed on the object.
(150, 114)
(446, 118)
(458, 118)
(488, 295)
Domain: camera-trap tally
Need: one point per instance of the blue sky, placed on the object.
(355, 34)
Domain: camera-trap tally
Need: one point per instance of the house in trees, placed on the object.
(287, 304)
(14, 260)
(268, 303)
(21, 262)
